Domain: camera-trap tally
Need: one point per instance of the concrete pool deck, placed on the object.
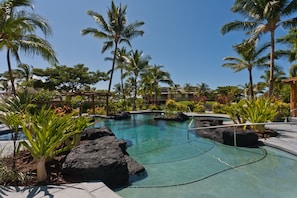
(287, 141)
(287, 138)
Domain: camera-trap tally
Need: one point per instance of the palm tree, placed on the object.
(250, 57)
(136, 65)
(18, 29)
(121, 64)
(152, 76)
(115, 31)
(3, 83)
(293, 70)
(279, 77)
(291, 40)
(263, 16)
(203, 90)
(25, 74)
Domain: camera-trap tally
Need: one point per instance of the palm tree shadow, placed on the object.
(33, 191)
(4, 190)
(46, 191)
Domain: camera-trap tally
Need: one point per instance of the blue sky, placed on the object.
(183, 36)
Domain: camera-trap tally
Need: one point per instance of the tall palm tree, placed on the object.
(25, 74)
(291, 40)
(263, 16)
(154, 75)
(203, 89)
(115, 31)
(17, 32)
(250, 57)
(121, 64)
(136, 65)
(279, 76)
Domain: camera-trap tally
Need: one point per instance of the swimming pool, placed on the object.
(182, 166)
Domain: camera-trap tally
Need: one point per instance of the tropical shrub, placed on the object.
(219, 108)
(45, 132)
(234, 112)
(98, 111)
(199, 107)
(182, 107)
(122, 105)
(171, 105)
(283, 111)
(170, 108)
(260, 110)
(153, 107)
(11, 110)
(188, 104)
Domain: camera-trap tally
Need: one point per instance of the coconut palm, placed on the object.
(137, 64)
(291, 40)
(121, 64)
(152, 76)
(18, 27)
(250, 57)
(263, 16)
(280, 75)
(293, 70)
(115, 31)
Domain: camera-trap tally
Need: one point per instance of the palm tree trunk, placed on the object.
(41, 170)
(251, 84)
(111, 75)
(135, 94)
(122, 85)
(10, 72)
(271, 77)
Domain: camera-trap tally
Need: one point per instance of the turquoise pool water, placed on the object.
(179, 164)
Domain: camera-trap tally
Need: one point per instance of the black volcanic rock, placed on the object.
(103, 158)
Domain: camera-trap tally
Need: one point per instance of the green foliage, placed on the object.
(171, 105)
(46, 131)
(75, 101)
(199, 108)
(67, 78)
(154, 107)
(219, 108)
(283, 111)
(188, 104)
(98, 111)
(122, 105)
(260, 110)
(182, 107)
(234, 112)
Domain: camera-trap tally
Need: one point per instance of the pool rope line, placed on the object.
(208, 176)
(280, 156)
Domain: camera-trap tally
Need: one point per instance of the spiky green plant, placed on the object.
(46, 132)
(260, 110)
